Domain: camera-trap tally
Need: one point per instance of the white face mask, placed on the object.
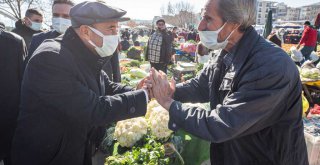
(109, 45)
(60, 24)
(210, 39)
(35, 25)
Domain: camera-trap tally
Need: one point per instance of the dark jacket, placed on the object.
(192, 36)
(111, 67)
(256, 107)
(12, 55)
(166, 47)
(65, 98)
(37, 39)
(25, 32)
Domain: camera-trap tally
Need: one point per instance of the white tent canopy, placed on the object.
(169, 26)
(141, 27)
(124, 27)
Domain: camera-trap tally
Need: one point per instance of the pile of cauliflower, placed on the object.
(128, 132)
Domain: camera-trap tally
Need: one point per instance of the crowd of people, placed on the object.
(60, 88)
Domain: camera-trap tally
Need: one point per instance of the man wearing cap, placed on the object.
(65, 95)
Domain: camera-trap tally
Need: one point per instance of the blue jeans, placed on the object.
(306, 51)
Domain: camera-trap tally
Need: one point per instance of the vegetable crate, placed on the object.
(313, 146)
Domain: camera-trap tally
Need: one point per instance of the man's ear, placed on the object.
(26, 21)
(84, 32)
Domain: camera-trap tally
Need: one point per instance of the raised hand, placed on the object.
(162, 90)
(147, 85)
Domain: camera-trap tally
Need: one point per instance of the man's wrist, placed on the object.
(167, 103)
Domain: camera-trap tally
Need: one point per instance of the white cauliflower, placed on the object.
(158, 120)
(152, 104)
(128, 132)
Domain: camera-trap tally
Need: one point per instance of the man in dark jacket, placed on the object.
(29, 25)
(65, 95)
(159, 49)
(253, 87)
(13, 53)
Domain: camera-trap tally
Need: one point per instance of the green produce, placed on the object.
(151, 152)
(138, 73)
(134, 53)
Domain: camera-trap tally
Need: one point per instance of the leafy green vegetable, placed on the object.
(147, 152)
(134, 63)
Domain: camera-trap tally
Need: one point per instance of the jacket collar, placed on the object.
(243, 49)
(72, 41)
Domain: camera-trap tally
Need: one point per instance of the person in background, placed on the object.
(13, 52)
(141, 32)
(66, 99)
(254, 90)
(274, 38)
(308, 40)
(184, 34)
(29, 25)
(126, 34)
(60, 23)
(135, 35)
(192, 35)
(159, 49)
(174, 33)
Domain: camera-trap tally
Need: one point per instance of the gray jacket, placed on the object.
(256, 107)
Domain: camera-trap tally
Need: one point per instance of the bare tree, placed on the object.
(14, 8)
(180, 13)
(170, 9)
(162, 10)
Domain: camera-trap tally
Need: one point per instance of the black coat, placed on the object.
(65, 98)
(25, 32)
(12, 54)
(256, 108)
(111, 67)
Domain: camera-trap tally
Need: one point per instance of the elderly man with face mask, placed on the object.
(66, 97)
(253, 88)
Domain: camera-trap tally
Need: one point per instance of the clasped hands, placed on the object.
(159, 87)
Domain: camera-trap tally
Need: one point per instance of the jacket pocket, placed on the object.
(226, 84)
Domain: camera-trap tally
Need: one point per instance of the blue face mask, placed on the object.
(35, 25)
(210, 39)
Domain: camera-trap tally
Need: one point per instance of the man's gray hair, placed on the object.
(243, 12)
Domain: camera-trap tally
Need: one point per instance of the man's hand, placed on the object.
(298, 47)
(147, 85)
(162, 89)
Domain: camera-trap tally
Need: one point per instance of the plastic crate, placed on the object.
(313, 147)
